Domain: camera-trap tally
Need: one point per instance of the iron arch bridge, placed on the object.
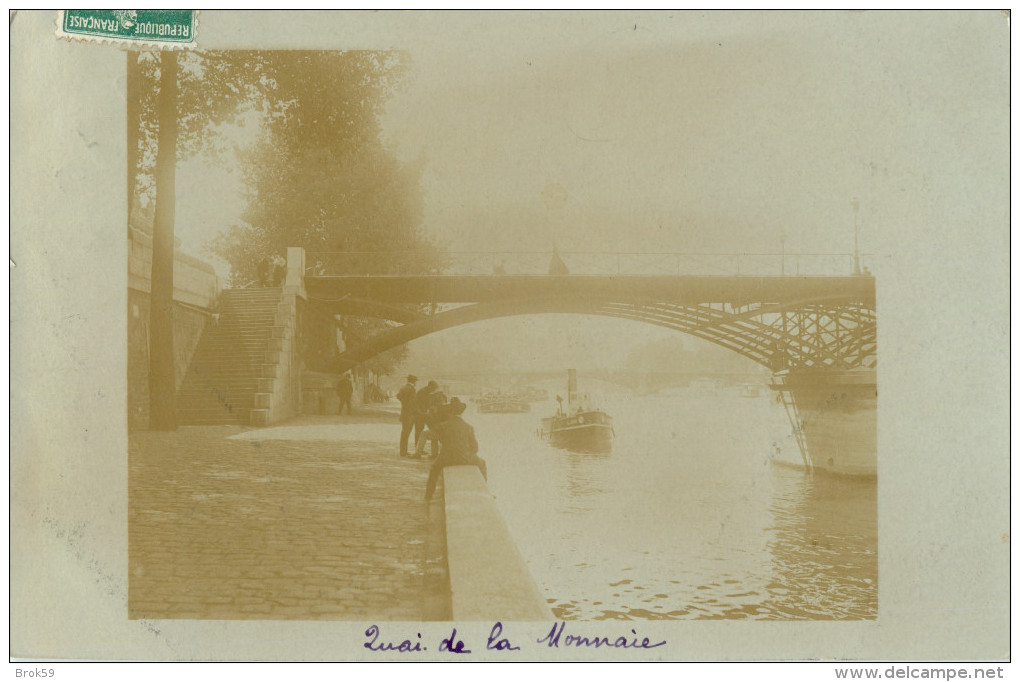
(816, 333)
(780, 322)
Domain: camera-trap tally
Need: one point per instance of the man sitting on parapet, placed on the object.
(459, 446)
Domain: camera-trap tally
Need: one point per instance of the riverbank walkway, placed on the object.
(298, 521)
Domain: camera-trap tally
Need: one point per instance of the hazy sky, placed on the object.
(688, 132)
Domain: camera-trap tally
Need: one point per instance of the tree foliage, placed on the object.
(318, 177)
(321, 178)
(213, 88)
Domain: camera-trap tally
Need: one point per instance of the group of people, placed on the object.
(345, 391)
(437, 421)
(271, 271)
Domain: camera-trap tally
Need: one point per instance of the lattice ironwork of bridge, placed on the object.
(783, 322)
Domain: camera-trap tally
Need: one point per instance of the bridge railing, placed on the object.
(378, 263)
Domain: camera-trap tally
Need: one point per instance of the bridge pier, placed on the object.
(294, 283)
(833, 418)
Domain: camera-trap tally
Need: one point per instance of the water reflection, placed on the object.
(685, 518)
(584, 477)
(604, 449)
(825, 548)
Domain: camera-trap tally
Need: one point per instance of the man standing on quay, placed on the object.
(344, 391)
(422, 405)
(408, 412)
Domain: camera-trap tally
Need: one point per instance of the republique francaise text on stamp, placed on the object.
(161, 27)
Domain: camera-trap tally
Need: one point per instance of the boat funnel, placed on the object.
(572, 386)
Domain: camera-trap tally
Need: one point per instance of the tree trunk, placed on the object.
(162, 386)
(134, 122)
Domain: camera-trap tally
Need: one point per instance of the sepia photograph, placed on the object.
(519, 335)
(272, 472)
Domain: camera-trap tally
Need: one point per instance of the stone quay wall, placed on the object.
(196, 288)
(489, 580)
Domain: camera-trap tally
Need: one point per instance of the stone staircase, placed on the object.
(229, 364)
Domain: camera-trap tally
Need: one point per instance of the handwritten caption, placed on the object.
(500, 640)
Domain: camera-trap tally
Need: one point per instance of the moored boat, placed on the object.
(503, 405)
(533, 394)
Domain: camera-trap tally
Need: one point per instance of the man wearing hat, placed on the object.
(459, 445)
(408, 412)
(437, 412)
(344, 391)
(422, 404)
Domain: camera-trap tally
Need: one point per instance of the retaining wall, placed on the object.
(279, 394)
(195, 290)
(489, 580)
(195, 281)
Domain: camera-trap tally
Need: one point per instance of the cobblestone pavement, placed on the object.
(267, 529)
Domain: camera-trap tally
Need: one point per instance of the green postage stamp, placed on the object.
(154, 26)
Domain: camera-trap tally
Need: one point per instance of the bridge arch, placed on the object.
(825, 321)
(825, 331)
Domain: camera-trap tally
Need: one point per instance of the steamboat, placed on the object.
(578, 426)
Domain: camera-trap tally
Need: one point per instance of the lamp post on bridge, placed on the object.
(857, 255)
(782, 253)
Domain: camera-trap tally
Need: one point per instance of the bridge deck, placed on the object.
(683, 289)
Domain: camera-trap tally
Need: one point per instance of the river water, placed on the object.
(686, 518)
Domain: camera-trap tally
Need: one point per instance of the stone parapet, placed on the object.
(279, 395)
(195, 281)
(489, 580)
